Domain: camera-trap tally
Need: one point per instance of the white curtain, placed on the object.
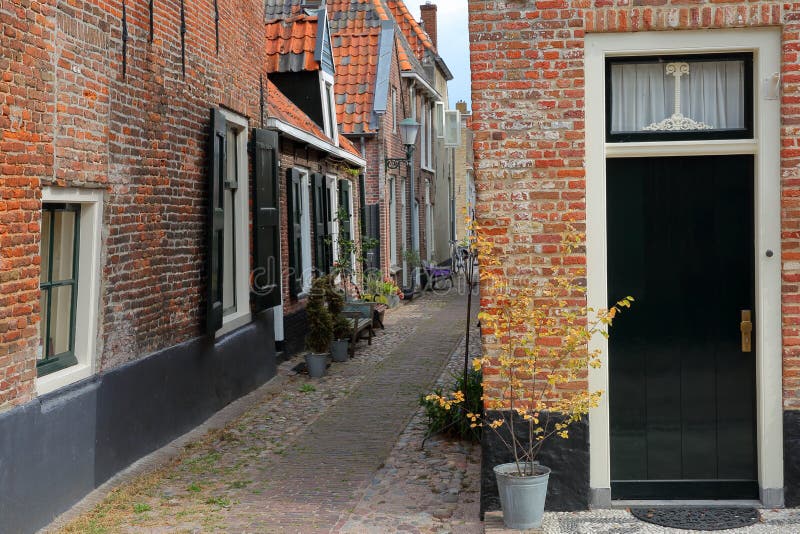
(643, 94)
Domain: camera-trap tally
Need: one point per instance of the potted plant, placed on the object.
(538, 349)
(341, 326)
(320, 330)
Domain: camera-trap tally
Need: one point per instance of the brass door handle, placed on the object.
(746, 326)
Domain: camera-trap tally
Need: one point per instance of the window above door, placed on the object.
(671, 98)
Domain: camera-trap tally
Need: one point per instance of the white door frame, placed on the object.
(765, 43)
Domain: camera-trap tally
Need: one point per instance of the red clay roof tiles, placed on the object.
(281, 108)
(291, 43)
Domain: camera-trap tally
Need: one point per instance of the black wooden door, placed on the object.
(681, 388)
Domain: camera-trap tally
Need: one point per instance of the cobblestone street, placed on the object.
(315, 455)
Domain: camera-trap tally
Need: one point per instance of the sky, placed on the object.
(453, 43)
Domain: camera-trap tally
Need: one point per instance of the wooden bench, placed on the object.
(361, 316)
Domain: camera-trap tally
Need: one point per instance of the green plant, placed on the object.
(453, 421)
(141, 508)
(194, 488)
(320, 323)
(307, 388)
(341, 326)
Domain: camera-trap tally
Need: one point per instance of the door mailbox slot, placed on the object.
(746, 327)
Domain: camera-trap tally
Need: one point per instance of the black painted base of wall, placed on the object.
(568, 487)
(791, 458)
(295, 328)
(59, 447)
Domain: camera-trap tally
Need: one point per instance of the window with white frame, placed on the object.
(440, 120)
(423, 131)
(329, 107)
(305, 231)
(392, 221)
(69, 284)
(403, 227)
(333, 217)
(236, 227)
(428, 111)
(412, 99)
(428, 222)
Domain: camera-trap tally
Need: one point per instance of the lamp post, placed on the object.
(408, 133)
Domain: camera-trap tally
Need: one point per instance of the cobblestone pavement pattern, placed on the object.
(307, 456)
(622, 522)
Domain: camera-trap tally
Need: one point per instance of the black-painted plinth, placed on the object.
(568, 487)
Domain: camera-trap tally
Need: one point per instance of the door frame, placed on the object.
(765, 44)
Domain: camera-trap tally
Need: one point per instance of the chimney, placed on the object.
(427, 13)
(462, 107)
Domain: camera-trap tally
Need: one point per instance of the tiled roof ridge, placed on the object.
(400, 10)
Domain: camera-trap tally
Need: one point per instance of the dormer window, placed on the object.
(329, 107)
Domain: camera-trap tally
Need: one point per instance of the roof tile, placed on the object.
(291, 44)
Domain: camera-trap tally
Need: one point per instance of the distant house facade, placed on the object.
(388, 70)
(666, 134)
(157, 199)
(321, 170)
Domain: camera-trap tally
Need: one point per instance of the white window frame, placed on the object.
(404, 225)
(765, 44)
(393, 221)
(88, 298)
(412, 98)
(330, 126)
(333, 185)
(440, 120)
(428, 222)
(242, 315)
(423, 132)
(305, 231)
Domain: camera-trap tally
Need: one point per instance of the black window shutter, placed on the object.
(294, 201)
(344, 208)
(216, 220)
(266, 234)
(330, 214)
(373, 224)
(320, 222)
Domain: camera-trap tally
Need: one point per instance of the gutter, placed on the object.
(423, 82)
(305, 137)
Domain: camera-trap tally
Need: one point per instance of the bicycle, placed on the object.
(459, 255)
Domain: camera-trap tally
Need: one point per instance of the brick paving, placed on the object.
(303, 454)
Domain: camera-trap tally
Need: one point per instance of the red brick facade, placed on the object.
(528, 68)
(71, 119)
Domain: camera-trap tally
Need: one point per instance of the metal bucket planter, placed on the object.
(393, 301)
(522, 498)
(316, 364)
(339, 350)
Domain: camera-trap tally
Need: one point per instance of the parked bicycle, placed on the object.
(459, 256)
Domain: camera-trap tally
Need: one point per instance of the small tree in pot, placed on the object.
(341, 326)
(320, 329)
(540, 332)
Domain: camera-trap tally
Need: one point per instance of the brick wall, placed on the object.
(26, 157)
(70, 118)
(527, 93)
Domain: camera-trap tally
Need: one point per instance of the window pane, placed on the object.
(45, 246)
(43, 346)
(63, 244)
(229, 267)
(60, 320)
(677, 95)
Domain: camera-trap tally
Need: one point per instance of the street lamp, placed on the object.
(408, 133)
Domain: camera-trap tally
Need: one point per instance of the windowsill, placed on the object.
(428, 169)
(62, 378)
(233, 321)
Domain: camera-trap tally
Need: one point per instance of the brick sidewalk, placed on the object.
(297, 460)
